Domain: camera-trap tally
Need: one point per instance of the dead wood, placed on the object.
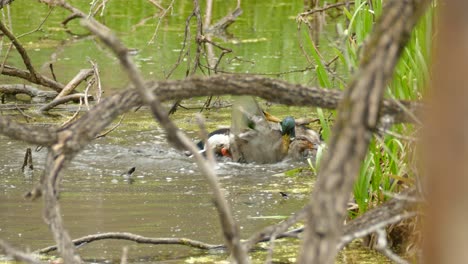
(27, 163)
(36, 79)
(63, 100)
(37, 94)
(138, 239)
(79, 77)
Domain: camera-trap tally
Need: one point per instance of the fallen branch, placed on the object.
(62, 100)
(37, 79)
(68, 89)
(32, 91)
(138, 239)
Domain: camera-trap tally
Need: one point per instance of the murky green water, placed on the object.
(169, 197)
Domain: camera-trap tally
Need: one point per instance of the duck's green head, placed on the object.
(288, 127)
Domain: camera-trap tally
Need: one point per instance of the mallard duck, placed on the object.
(257, 136)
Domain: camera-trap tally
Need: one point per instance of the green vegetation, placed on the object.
(389, 163)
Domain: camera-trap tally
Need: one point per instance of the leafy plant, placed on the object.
(386, 165)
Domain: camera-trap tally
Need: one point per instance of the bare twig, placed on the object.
(98, 80)
(382, 246)
(39, 27)
(153, 37)
(112, 128)
(73, 117)
(325, 8)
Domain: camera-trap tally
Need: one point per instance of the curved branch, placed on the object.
(138, 239)
(39, 79)
(272, 90)
(93, 122)
(26, 89)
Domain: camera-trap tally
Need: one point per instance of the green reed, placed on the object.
(389, 164)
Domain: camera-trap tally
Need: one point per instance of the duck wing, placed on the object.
(253, 138)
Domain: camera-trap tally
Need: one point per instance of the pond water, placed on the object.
(169, 197)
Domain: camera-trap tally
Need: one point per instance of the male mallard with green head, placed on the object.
(259, 137)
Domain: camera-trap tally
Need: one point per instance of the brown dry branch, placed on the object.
(79, 77)
(27, 89)
(358, 116)
(27, 163)
(21, 51)
(40, 79)
(445, 142)
(18, 255)
(23, 114)
(124, 258)
(138, 239)
(44, 136)
(275, 230)
(50, 181)
(63, 100)
(270, 89)
(98, 80)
